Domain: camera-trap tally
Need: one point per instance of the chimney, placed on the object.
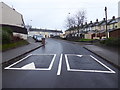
(103, 19)
(113, 17)
(85, 23)
(90, 21)
(96, 20)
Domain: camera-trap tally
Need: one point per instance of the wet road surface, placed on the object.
(60, 64)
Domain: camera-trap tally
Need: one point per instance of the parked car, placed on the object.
(34, 37)
(39, 38)
(103, 39)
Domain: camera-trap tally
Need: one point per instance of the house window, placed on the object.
(116, 26)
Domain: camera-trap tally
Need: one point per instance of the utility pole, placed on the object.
(78, 30)
(106, 22)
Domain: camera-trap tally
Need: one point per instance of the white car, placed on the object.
(39, 38)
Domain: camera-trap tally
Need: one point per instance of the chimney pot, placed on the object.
(113, 17)
(96, 20)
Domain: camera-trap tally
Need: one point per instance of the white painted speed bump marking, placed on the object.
(68, 66)
(100, 71)
(102, 64)
(79, 55)
(18, 61)
(31, 66)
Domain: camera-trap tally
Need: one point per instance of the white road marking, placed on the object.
(60, 65)
(18, 61)
(69, 69)
(52, 62)
(68, 66)
(45, 69)
(102, 64)
(90, 71)
(31, 66)
(79, 55)
(44, 54)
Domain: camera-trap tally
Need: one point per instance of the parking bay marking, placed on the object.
(69, 69)
(31, 66)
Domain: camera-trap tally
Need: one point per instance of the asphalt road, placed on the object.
(60, 64)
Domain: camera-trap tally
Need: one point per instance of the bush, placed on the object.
(111, 42)
(6, 38)
(6, 35)
(8, 30)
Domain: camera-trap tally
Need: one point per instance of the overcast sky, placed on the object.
(51, 14)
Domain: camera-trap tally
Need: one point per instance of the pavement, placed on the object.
(16, 52)
(107, 53)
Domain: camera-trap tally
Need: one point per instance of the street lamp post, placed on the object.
(69, 26)
(106, 22)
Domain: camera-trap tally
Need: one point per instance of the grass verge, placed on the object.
(84, 40)
(5, 47)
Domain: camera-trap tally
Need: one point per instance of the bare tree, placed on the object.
(70, 22)
(80, 18)
(77, 20)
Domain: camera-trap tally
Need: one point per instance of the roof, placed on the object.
(112, 21)
(103, 22)
(85, 26)
(44, 30)
(95, 23)
(90, 24)
(100, 23)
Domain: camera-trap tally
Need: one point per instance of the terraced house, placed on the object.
(97, 29)
(45, 32)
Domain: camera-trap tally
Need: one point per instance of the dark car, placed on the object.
(34, 37)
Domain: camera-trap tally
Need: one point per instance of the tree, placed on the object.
(70, 22)
(80, 18)
(76, 20)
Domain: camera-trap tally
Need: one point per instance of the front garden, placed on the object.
(8, 41)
